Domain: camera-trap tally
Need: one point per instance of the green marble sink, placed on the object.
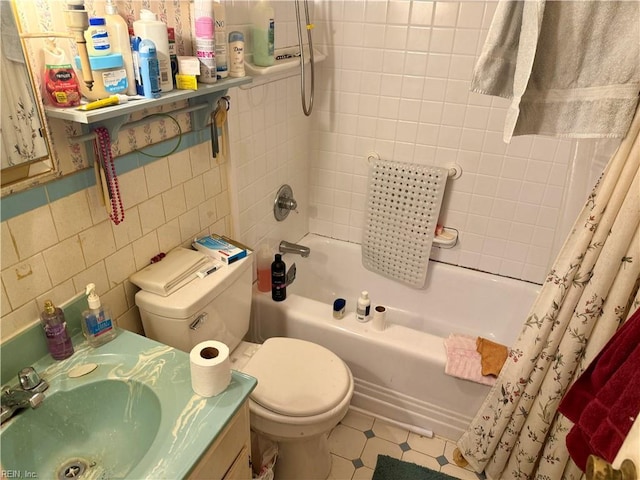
(134, 416)
(68, 433)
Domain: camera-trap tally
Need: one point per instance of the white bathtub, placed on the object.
(399, 372)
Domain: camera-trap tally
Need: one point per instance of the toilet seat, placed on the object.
(297, 378)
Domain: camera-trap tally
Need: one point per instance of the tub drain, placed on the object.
(72, 469)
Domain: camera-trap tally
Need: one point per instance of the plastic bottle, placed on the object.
(55, 330)
(204, 40)
(121, 42)
(220, 34)
(59, 81)
(263, 34)
(263, 259)
(97, 37)
(278, 279)
(364, 307)
(97, 325)
(236, 55)
(150, 28)
(149, 69)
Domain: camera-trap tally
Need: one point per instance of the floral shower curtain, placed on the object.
(591, 290)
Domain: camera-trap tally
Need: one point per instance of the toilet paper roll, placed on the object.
(379, 322)
(210, 368)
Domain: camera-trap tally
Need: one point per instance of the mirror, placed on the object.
(24, 149)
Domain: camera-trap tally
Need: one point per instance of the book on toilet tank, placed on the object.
(221, 248)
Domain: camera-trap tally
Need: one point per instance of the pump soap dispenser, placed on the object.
(97, 325)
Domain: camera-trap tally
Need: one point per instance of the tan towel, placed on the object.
(463, 361)
(492, 356)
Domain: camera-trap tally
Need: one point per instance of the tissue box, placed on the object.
(221, 248)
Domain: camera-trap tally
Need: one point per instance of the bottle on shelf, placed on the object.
(121, 42)
(220, 34)
(148, 27)
(97, 37)
(263, 34)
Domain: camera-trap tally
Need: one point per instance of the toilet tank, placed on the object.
(216, 307)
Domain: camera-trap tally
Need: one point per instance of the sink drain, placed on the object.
(72, 469)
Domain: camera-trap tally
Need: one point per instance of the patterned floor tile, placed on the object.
(377, 446)
(418, 458)
(389, 432)
(430, 446)
(358, 420)
(363, 473)
(347, 442)
(341, 468)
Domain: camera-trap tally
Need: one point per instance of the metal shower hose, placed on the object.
(305, 108)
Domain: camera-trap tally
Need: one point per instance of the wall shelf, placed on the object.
(286, 66)
(202, 102)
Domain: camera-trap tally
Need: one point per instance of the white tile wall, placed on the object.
(397, 82)
(54, 251)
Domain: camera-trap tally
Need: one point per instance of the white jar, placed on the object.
(109, 76)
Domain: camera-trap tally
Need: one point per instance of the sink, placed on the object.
(125, 409)
(100, 430)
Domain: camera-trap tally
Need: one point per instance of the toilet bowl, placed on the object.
(303, 389)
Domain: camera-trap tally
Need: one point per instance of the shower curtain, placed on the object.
(590, 291)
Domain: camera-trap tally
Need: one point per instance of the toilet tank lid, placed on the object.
(196, 294)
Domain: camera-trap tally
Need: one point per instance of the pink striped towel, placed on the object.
(463, 360)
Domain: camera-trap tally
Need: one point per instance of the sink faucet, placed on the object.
(28, 394)
(288, 247)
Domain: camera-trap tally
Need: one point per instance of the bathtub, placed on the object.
(399, 371)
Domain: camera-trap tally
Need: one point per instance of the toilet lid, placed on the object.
(297, 378)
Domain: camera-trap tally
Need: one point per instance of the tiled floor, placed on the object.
(356, 442)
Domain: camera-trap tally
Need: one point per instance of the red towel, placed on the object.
(605, 400)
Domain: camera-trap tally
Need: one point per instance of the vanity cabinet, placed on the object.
(228, 457)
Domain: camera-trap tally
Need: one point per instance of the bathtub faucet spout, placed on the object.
(288, 247)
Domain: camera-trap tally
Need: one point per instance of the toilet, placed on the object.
(303, 389)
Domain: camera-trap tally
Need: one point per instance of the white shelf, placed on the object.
(113, 117)
(284, 67)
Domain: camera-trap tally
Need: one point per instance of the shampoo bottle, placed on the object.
(278, 279)
(363, 307)
(55, 329)
(121, 42)
(97, 325)
(263, 34)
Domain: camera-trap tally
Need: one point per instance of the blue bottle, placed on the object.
(149, 69)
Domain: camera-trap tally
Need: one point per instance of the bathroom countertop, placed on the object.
(189, 423)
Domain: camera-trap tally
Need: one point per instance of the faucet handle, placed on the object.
(36, 400)
(31, 381)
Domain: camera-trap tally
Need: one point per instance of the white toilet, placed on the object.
(303, 389)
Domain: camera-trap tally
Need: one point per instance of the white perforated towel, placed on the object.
(403, 204)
